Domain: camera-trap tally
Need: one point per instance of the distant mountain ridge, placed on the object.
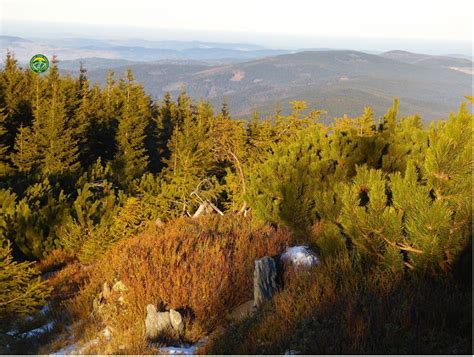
(135, 50)
(427, 60)
(251, 77)
(337, 81)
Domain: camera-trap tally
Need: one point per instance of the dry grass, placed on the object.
(201, 267)
(54, 261)
(341, 309)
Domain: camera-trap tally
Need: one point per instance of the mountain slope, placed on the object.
(337, 81)
(454, 63)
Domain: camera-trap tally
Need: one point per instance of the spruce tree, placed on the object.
(101, 108)
(25, 156)
(21, 289)
(80, 116)
(38, 217)
(228, 140)
(166, 121)
(5, 167)
(51, 137)
(15, 98)
(132, 158)
(189, 168)
(55, 141)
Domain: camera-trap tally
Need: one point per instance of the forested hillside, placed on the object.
(98, 186)
(340, 81)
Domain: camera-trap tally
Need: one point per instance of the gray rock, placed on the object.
(156, 323)
(177, 321)
(242, 311)
(300, 257)
(264, 280)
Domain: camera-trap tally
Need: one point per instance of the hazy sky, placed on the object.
(402, 19)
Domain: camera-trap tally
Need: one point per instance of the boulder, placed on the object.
(242, 311)
(300, 257)
(177, 321)
(264, 280)
(156, 323)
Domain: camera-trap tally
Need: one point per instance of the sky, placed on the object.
(432, 20)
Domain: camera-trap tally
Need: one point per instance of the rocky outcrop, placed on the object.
(110, 299)
(242, 311)
(156, 323)
(268, 272)
(177, 322)
(264, 280)
(300, 257)
(159, 323)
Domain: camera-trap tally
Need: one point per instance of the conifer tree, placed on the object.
(166, 121)
(131, 219)
(80, 116)
(282, 189)
(52, 139)
(101, 108)
(21, 289)
(92, 214)
(448, 168)
(5, 167)
(15, 98)
(55, 141)
(260, 136)
(25, 156)
(225, 113)
(356, 141)
(38, 216)
(191, 162)
(132, 158)
(409, 142)
(228, 140)
(374, 228)
(286, 127)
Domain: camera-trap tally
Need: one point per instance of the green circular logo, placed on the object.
(39, 63)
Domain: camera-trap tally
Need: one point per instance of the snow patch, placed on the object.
(75, 348)
(39, 331)
(183, 349)
(300, 256)
(45, 309)
(68, 350)
(171, 350)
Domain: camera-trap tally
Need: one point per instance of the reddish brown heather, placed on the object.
(339, 308)
(203, 267)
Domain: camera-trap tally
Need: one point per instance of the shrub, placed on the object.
(21, 288)
(201, 266)
(340, 308)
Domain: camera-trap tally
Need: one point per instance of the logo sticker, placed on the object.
(39, 63)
